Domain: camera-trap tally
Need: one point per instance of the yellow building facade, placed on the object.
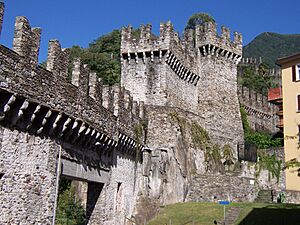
(291, 116)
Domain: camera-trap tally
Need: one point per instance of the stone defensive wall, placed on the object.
(250, 61)
(261, 113)
(52, 102)
(56, 122)
(241, 185)
(254, 63)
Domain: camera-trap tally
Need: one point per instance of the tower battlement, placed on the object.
(183, 56)
(204, 39)
(147, 41)
(1, 15)
(209, 42)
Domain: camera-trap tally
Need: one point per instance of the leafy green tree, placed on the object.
(69, 210)
(198, 19)
(103, 56)
(258, 81)
(262, 140)
(259, 139)
(108, 43)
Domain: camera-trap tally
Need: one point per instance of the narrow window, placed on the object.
(296, 72)
(293, 73)
(298, 134)
(298, 103)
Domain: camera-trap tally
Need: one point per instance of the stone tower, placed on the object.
(194, 79)
(197, 74)
(217, 61)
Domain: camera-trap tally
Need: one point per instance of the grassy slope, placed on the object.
(206, 213)
(271, 46)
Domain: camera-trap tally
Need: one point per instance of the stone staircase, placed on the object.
(231, 215)
(265, 196)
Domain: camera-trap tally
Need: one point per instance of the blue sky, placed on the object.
(75, 22)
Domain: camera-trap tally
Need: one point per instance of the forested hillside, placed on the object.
(271, 46)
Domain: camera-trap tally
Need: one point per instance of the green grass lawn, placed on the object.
(205, 213)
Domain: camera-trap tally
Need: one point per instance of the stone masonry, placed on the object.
(195, 78)
(260, 113)
(195, 74)
(45, 117)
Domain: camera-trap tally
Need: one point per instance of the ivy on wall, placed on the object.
(259, 139)
(269, 163)
(262, 141)
(293, 163)
(140, 132)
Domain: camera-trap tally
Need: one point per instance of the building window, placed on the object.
(296, 72)
(298, 102)
(298, 134)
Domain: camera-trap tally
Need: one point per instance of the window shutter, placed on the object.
(298, 106)
(294, 73)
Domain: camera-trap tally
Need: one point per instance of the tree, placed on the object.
(198, 19)
(257, 81)
(259, 139)
(69, 210)
(103, 56)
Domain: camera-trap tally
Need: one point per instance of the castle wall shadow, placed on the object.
(273, 216)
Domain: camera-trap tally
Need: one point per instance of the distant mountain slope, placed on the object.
(271, 46)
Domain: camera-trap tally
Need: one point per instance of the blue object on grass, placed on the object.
(224, 202)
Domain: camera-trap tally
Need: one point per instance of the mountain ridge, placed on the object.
(271, 46)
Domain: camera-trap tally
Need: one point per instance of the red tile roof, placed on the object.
(274, 94)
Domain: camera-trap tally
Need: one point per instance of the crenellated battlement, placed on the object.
(211, 43)
(1, 15)
(26, 41)
(261, 113)
(255, 65)
(80, 111)
(205, 39)
(251, 61)
(147, 41)
(256, 100)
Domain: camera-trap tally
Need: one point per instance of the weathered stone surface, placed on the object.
(292, 197)
(27, 186)
(118, 197)
(221, 187)
(261, 114)
(197, 81)
(1, 15)
(168, 72)
(170, 158)
(43, 115)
